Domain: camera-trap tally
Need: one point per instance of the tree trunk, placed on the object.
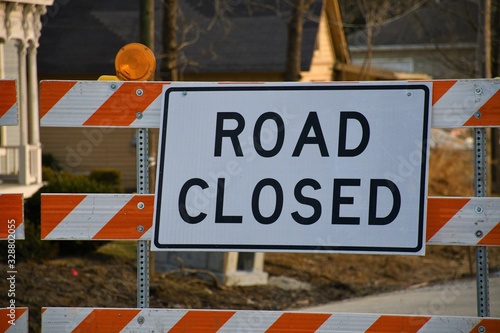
(294, 44)
(495, 39)
(169, 68)
(147, 23)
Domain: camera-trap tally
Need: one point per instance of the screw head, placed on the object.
(140, 228)
(140, 320)
(140, 205)
(408, 94)
(478, 209)
(184, 93)
(139, 92)
(477, 115)
(139, 115)
(479, 234)
(478, 91)
(481, 329)
(113, 86)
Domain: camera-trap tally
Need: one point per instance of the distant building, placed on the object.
(439, 39)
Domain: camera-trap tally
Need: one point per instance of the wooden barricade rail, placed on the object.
(450, 220)
(455, 103)
(211, 321)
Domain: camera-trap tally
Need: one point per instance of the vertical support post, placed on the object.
(33, 117)
(3, 134)
(22, 99)
(483, 309)
(142, 246)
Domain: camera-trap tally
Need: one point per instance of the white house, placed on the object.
(20, 30)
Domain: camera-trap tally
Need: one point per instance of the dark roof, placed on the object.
(83, 37)
(436, 22)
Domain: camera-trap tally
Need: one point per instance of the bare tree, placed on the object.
(294, 42)
(170, 47)
(177, 26)
(495, 38)
(147, 23)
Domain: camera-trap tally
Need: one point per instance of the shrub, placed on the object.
(109, 177)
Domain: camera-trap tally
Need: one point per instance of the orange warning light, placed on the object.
(135, 62)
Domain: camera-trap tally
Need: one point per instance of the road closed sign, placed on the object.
(293, 167)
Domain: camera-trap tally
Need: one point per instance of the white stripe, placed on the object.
(478, 215)
(446, 324)
(154, 320)
(80, 103)
(63, 319)
(151, 117)
(19, 233)
(463, 99)
(89, 217)
(250, 321)
(148, 235)
(10, 117)
(348, 322)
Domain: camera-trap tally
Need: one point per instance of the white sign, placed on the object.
(293, 167)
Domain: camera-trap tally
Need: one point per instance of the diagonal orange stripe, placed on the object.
(439, 88)
(107, 320)
(489, 325)
(397, 324)
(489, 113)
(55, 208)
(125, 224)
(120, 109)
(11, 208)
(440, 211)
(8, 95)
(492, 237)
(51, 92)
(4, 318)
(298, 322)
(202, 321)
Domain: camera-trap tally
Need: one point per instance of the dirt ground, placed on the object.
(106, 281)
(103, 280)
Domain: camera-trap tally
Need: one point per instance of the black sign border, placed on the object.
(296, 248)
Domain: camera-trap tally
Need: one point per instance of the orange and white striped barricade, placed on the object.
(100, 104)
(455, 103)
(8, 103)
(463, 221)
(14, 320)
(97, 216)
(12, 216)
(66, 320)
(454, 221)
(467, 221)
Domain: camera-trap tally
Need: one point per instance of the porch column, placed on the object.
(15, 31)
(3, 38)
(33, 28)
